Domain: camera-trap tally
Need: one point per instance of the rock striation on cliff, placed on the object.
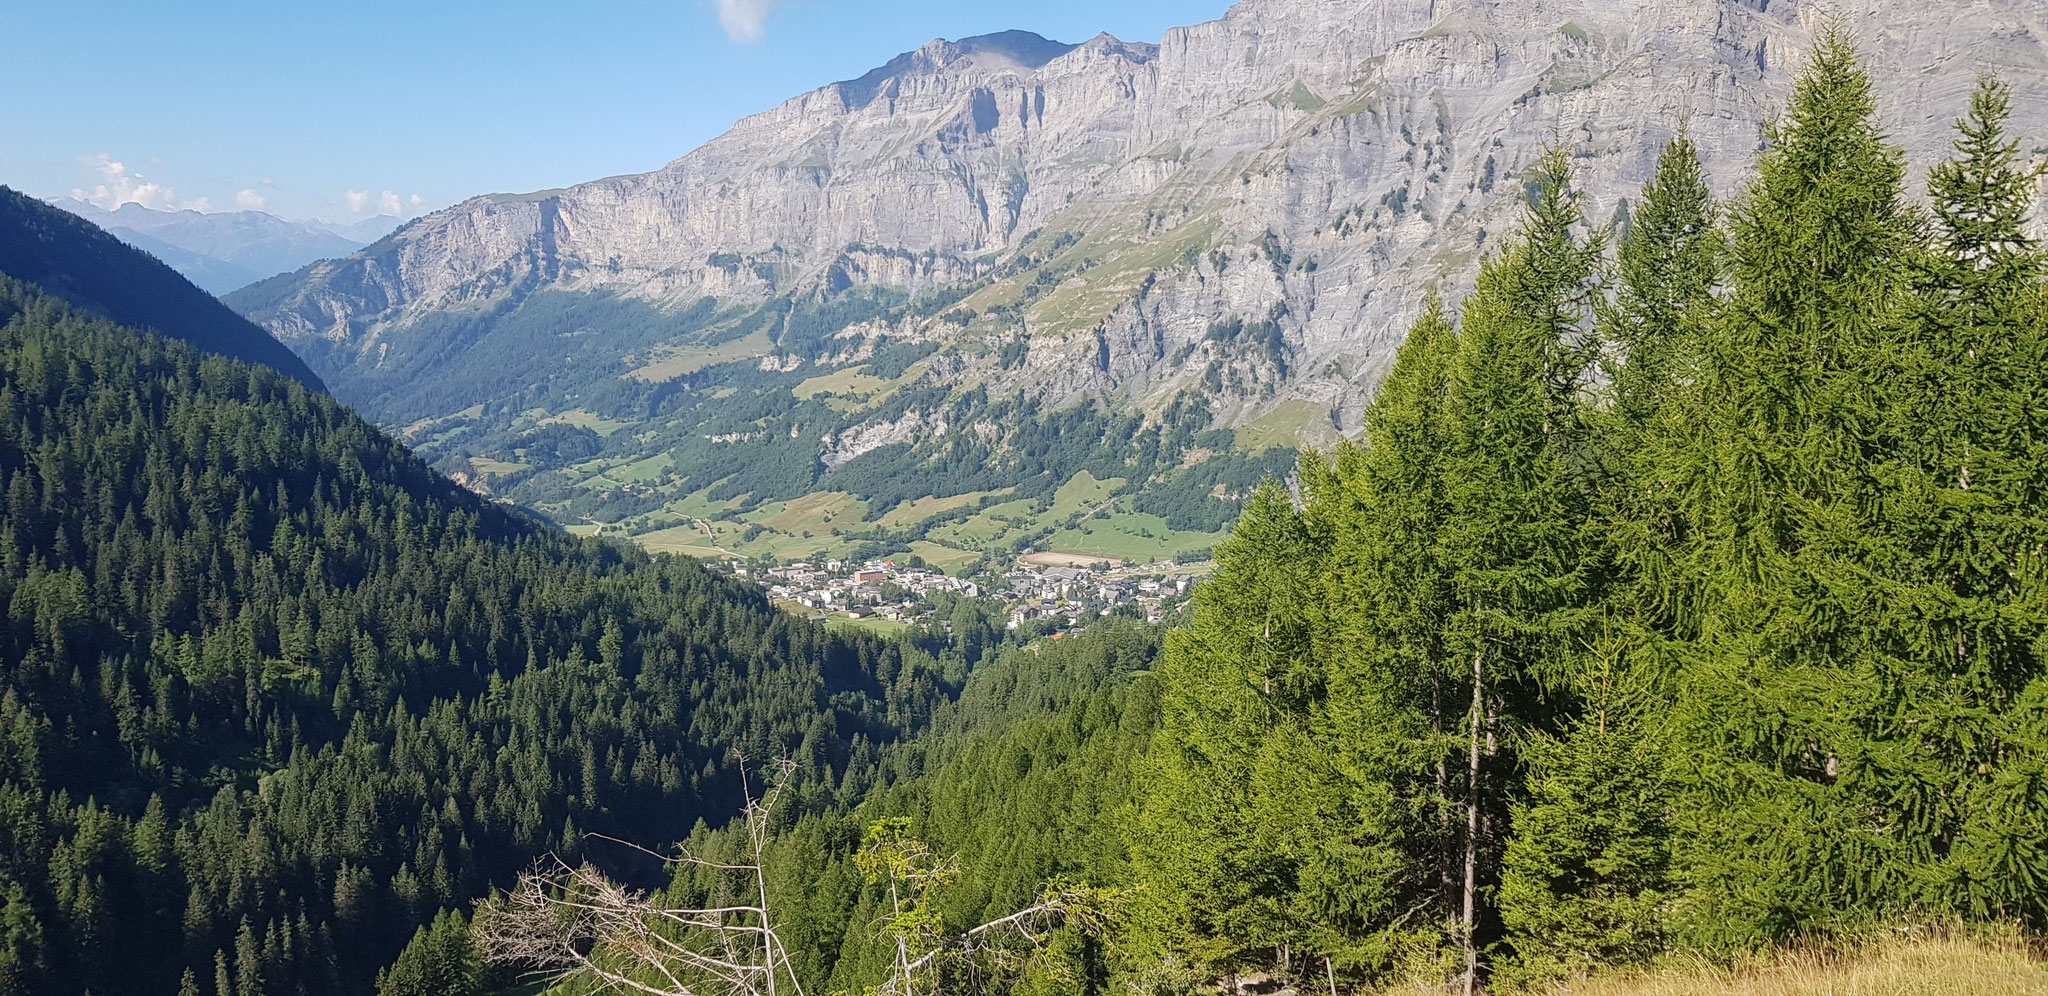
(1304, 168)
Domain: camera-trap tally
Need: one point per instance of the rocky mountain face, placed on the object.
(1248, 214)
(222, 250)
(1318, 163)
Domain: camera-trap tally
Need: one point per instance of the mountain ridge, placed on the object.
(73, 259)
(1250, 212)
(651, 235)
(224, 250)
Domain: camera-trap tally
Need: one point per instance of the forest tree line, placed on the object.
(1684, 596)
(276, 693)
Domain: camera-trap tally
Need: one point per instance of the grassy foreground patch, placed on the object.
(1924, 965)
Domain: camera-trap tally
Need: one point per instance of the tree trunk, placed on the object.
(1446, 856)
(1470, 922)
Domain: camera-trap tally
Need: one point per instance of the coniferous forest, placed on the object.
(1684, 596)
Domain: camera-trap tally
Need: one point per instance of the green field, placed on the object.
(1290, 423)
(1129, 536)
(814, 526)
(913, 512)
(486, 465)
(1000, 526)
(822, 513)
(585, 420)
(849, 382)
(670, 362)
(944, 558)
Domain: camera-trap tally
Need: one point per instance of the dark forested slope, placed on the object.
(274, 692)
(69, 257)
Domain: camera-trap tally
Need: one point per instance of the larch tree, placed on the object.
(1968, 486)
(1793, 678)
(1517, 503)
(1393, 706)
(1237, 686)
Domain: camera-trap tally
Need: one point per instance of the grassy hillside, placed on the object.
(1903, 964)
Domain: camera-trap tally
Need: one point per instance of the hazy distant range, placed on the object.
(225, 250)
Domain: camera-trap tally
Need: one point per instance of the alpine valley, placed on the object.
(1601, 447)
(1005, 293)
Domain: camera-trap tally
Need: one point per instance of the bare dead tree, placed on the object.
(1007, 945)
(924, 947)
(568, 922)
(575, 923)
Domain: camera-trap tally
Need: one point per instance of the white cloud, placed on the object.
(362, 203)
(118, 185)
(201, 205)
(416, 201)
(249, 200)
(745, 20)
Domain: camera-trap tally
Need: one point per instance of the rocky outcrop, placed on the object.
(1315, 164)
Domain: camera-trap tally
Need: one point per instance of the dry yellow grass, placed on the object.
(1929, 965)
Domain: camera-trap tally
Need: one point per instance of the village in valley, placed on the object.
(1054, 598)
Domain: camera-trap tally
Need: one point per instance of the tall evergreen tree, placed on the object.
(1585, 872)
(1792, 680)
(1517, 501)
(1230, 750)
(439, 961)
(1967, 491)
(1394, 707)
(1666, 272)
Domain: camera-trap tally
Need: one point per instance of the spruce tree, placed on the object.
(439, 961)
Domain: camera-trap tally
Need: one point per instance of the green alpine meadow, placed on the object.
(1663, 610)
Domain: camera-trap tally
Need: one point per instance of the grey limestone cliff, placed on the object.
(1308, 167)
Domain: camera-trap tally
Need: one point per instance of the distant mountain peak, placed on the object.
(1309, 168)
(1020, 51)
(223, 250)
(71, 258)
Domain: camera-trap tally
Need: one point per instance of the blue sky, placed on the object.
(343, 111)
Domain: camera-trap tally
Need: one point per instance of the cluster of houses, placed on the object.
(859, 590)
(1067, 595)
(1071, 594)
